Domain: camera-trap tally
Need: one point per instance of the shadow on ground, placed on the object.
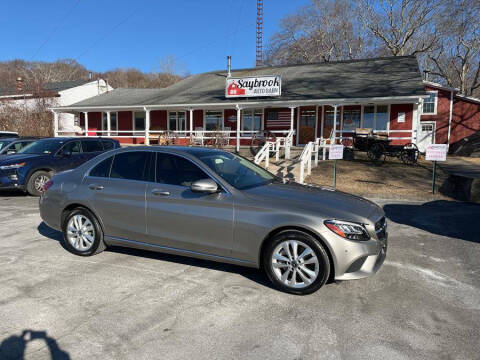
(250, 273)
(14, 346)
(448, 218)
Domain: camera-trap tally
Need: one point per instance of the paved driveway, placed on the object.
(123, 304)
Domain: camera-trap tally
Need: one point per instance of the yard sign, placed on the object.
(336, 152)
(436, 152)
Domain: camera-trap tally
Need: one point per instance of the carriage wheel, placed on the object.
(376, 153)
(259, 139)
(409, 154)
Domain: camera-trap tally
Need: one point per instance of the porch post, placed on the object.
(237, 143)
(55, 124)
(415, 122)
(292, 116)
(191, 124)
(334, 123)
(147, 126)
(86, 123)
(109, 126)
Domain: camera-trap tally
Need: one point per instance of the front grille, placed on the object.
(381, 228)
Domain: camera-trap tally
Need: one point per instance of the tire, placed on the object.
(83, 219)
(275, 267)
(36, 181)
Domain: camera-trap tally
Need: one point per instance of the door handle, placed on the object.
(95, 187)
(160, 192)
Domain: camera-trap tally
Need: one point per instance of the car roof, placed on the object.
(192, 150)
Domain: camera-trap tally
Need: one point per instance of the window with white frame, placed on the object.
(139, 120)
(113, 123)
(213, 120)
(177, 121)
(252, 119)
(375, 117)
(351, 119)
(430, 104)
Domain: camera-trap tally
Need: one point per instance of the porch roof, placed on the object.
(388, 77)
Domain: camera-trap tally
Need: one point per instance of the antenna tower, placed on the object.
(259, 61)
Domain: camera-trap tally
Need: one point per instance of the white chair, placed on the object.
(197, 138)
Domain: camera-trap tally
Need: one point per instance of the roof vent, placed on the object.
(229, 66)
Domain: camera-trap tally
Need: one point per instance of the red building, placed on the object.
(317, 100)
(447, 117)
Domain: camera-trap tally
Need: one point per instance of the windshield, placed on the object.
(237, 171)
(42, 147)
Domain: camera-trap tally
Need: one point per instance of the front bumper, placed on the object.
(364, 263)
(10, 179)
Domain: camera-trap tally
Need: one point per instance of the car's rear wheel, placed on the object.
(82, 234)
(36, 181)
(296, 262)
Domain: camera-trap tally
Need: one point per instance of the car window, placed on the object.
(130, 165)
(3, 144)
(176, 170)
(91, 146)
(44, 147)
(73, 147)
(19, 145)
(107, 144)
(103, 168)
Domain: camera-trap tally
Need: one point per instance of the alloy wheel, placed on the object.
(39, 182)
(295, 264)
(80, 232)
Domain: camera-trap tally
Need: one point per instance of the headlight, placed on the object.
(348, 230)
(12, 166)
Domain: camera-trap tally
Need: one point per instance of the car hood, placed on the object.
(323, 201)
(15, 158)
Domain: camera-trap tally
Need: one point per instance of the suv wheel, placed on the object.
(36, 181)
(82, 234)
(296, 262)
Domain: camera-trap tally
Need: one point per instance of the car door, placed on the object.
(116, 187)
(68, 157)
(91, 148)
(180, 218)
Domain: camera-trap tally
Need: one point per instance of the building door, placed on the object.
(306, 131)
(426, 135)
(328, 117)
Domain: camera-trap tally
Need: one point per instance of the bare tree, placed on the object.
(321, 31)
(401, 27)
(457, 60)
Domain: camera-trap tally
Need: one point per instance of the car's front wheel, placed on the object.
(296, 262)
(37, 181)
(82, 234)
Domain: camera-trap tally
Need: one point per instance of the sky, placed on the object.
(107, 34)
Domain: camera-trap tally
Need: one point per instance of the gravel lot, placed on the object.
(123, 304)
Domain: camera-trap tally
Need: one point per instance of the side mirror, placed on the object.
(204, 186)
(10, 152)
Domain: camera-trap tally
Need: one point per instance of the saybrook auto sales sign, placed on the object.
(254, 86)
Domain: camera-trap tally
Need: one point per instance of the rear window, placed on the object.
(103, 168)
(107, 145)
(91, 146)
(130, 166)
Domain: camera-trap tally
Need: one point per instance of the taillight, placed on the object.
(47, 185)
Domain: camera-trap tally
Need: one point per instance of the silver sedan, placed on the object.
(215, 205)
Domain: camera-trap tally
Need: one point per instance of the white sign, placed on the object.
(436, 152)
(254, 86)
(401, 117)
(335, 152)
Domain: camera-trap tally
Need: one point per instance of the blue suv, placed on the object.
(36, 163)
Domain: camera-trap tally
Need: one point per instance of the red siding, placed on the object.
(442, 116)
(465, 119)
(158, 120)
(197, 119)
(230, 119)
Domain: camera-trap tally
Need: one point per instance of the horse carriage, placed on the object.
(378, 147)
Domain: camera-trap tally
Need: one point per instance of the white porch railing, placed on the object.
(285, 143)
(311, 149)
(264, 154)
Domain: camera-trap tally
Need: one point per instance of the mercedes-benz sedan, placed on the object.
(213, 204)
